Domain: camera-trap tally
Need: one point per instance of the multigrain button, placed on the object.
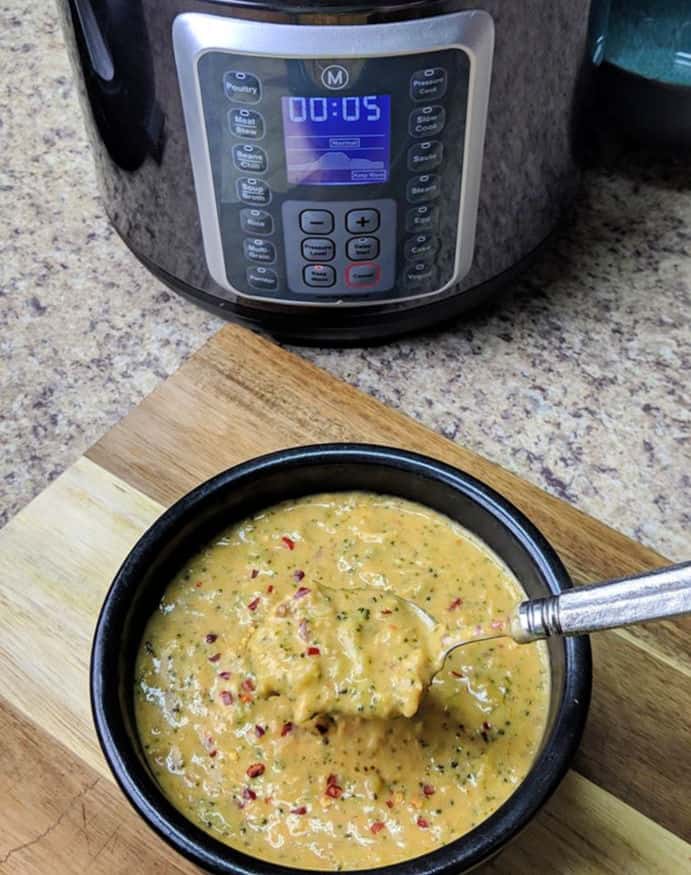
(253, 191)
(362, 276)
(319, 275)
(318, 249)
(259, 250)
(262, 278)
(429, 84)
(246, 123)
(422, 218)
(362, 221)
(316, 221)
(420, 246)
(426, 121)
(423, 188)
(241, 87)
(249, 158)
(362, 248)
(425, 156)
(256, 222)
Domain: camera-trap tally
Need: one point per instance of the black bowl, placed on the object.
(247, 488)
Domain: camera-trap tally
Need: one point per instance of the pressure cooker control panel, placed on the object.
(331, 180)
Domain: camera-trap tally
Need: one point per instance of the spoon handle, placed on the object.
(665, 592)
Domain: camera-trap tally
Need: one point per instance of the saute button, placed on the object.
(362, 276)
(259, 250)
(262, 278)
(319, 275)
(256, 222)
(249, 158)
(318, 249)
(362, 221)
(362, 248)
(316, 221)
(253, 191)
(241, 87)
(246, 123)
(425, 156)
(426, 121)
(429, 84)
(422, 218)
(423, 188)
(421, 246)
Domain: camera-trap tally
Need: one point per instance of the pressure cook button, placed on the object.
(362, 276)
(262, 278)
(362, 248)
(256, 222)
(423, 188)
(316, 221)
(319, 275)
(253, 191)
(421, 246)
(362, 221)
(241, 87)
(259, 250)
(426, 121)
(318, 249)
(428, 84)
(246, 123)
(250, 158)
(422, 218)
(425, 156)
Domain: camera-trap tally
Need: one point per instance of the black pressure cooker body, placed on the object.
(333, 171)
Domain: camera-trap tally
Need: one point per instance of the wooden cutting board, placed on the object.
(623, 809)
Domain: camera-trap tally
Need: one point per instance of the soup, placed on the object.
(268, 775)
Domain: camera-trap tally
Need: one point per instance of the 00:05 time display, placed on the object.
(321, 109)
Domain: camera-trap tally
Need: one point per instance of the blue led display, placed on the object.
(337, 140)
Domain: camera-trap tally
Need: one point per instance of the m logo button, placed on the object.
(335, 77)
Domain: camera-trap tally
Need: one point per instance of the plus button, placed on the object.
(358, 221)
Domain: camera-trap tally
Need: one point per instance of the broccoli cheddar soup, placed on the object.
(263, 709)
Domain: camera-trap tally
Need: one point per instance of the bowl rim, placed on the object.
(469, 850)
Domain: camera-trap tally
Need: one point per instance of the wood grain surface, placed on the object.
(623, 810)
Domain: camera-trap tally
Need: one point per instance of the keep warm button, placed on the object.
(423, 188)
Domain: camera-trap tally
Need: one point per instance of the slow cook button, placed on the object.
(319, 275)
(246, 123)
(425, 156)
(250, 158)
(262, 278)
(422, 218)
(318, 249)
(362, 248)
(429, 84)
(241, 87)
(253, 191)
(256, 222)
(259, 250)
(426, 121)
(362, 276)
(423, 188)
(421, 246)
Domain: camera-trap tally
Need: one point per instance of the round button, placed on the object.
(241, 87)
(420, 246)
(427, 121)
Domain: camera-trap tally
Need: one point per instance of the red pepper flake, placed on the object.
(215, 657)
(422, 822)
(255, 770)
(254, 604)
(301, 809)
(255, 573)
(298, 574)
(198, 584)
(456, 603)
(304, 630)
(301, 592)
(334, 791)
(498, 625)
(226, 697)
(212, 753)
(286, 728)
(259, 731)
(313, 651)
(246, 698)
(428, 790)
(456, 674)
(224, 674)
(486, 726)
(386, 611)
(210, 638)
(288, 542)
(389, 803)
(332, 779)
(270, 588)
(248, 684)
(248, 793)
(377, 826)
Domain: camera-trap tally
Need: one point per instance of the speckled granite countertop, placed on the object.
(578, 382)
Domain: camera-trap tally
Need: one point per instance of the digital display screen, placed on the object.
(337, 140)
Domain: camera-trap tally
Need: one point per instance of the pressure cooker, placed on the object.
(339, 170)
